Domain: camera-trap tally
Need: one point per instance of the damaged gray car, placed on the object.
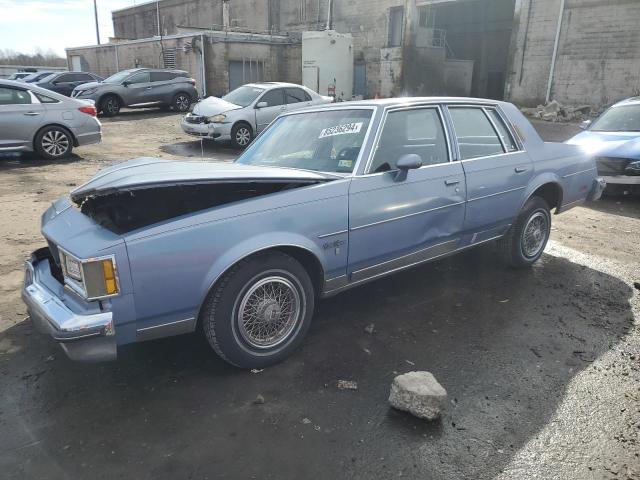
(324, 200)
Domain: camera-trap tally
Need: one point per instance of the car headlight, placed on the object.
(94, 279)
(217, 118)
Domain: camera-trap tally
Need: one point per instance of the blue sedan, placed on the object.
(324, 200)
(614, 139)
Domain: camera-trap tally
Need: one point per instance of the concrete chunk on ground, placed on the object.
(418, 393)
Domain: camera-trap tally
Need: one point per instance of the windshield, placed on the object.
(243, 96)
(619, 119)
(47, 78)
(118, 77)
(325, 141)
(36, 76)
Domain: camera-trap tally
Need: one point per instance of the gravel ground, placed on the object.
(541, 366)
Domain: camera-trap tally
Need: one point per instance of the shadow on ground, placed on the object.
(504, 343)
(205, 149)
(129, 114)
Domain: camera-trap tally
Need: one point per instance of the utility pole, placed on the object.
(95, 11)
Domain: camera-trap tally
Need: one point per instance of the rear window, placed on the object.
(475, 134)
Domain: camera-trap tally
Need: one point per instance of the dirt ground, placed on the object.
(542, 366)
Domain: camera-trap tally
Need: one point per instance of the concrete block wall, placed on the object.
(598, 59)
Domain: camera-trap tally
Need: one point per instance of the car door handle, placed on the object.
(32, 114)
(451, 182)
(520, 169)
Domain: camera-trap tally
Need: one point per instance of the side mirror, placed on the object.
(584, 125)
(411, 161)
(262, 105)
(126, 84)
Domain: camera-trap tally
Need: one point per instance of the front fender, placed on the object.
(253, 245)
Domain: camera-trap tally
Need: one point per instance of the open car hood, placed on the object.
(144, 173)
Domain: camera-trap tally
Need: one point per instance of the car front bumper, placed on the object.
(599, 184)
(622, 180)
(216, 131)
(84, 334)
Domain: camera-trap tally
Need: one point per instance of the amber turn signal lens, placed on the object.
(110, 284)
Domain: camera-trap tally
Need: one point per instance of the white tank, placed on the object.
(327, 63)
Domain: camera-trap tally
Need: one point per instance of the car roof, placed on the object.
(628, 101)
(273, 85)
(145, 69)
(34, 88)
(400, 101)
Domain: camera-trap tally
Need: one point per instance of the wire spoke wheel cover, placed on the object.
(534, 234)
(243, 136)
(55, 143)
(269, 312)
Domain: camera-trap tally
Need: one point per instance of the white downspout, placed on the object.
(204, 71)
(555, 52)
(158, 15)
(329, 14)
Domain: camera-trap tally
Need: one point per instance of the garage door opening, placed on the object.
(478, 31)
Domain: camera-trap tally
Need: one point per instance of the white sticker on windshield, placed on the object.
(346, 129)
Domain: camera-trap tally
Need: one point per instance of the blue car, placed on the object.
(614, 139)
(325, 199)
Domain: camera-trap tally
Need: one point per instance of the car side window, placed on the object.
(142, 77)
(503, 131)
(13, 96)
(295, 95)
(416, 131)
(273, 97)
(67, 77)
(476, 136)
(162, 76)
(45, 98)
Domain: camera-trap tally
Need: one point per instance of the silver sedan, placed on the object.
(243, 113)
(35, 119)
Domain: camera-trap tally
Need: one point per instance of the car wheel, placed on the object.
(54, 142)
(524, 244)
(260, 311)
(110, 106)
(181, 102)
(241, 135)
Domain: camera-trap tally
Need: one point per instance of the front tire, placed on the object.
(54, 143)
(524, 244)
(241, 135)
(260, 310)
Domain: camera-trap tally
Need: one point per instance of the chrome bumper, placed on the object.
(623, 180)
(88, 337)
(599, 184)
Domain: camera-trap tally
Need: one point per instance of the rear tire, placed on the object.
(260, 310)
(241, 135)
(181, 102)
(525, 241)
(54, 142)
(110, 106)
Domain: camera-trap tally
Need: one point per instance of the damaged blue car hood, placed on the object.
(144, 173)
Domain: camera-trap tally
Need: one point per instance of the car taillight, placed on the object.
(89, 110)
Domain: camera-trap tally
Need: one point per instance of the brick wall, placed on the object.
(598, 58)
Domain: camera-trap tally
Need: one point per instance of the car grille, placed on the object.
(197, 119)
(612, 165)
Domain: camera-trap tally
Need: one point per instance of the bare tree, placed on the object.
(45, 58)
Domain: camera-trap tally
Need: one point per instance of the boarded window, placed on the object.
(169, 57)
(396, 26)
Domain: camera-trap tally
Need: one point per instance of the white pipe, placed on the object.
(115, 47)
(204, 71)
(555, 52)
(329, 12)
(158, 15)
